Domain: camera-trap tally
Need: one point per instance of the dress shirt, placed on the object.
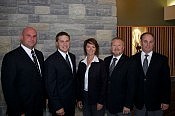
(118, 57)
(28, 51)
(149, 57)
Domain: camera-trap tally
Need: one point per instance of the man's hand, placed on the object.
(80, 104)
(60, 112)
(126, 110)
(164, 106)
(99, 106)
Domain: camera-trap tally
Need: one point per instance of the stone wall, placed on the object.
(80, 18)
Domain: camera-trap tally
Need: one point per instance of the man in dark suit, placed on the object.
(60, 69)
(21, 78)
(153, 79)
(120, 89)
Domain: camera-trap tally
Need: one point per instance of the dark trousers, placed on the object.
(66, 114)
(144, 112)
(26, 114)
(118, 114)
(36, 110)
(91, 110)
(70, 112)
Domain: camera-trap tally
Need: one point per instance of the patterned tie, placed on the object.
(111, 68)
(67, 60)
(35, 61)
(145, 64)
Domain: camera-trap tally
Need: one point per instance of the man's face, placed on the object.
(63, 43)
(117, 47)
(147, 43)
(29, 38)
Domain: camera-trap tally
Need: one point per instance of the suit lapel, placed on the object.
(140, 62)
(120, 62)
(109, 60)
(73, 62)
(62, 60)
(25, 55)
(152, 61)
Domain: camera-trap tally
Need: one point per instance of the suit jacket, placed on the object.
(60, 82)
(21, 83)
(120, 88)
(156, 88)
(96, 82)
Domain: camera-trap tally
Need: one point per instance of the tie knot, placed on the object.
(146, 55)
(114, 59)
(32, 52)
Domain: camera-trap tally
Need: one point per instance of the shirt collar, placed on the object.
(118, 57)
(95, 59)
(63, 53)
(27, 50)
(143, 53)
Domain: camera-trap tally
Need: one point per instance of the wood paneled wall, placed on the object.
(165, 41)
(126, 34)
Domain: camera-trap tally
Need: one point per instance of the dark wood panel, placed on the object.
(126, 34)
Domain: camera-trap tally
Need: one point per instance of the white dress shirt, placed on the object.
(143, 57)
(95, 59)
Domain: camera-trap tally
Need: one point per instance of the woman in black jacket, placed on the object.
(91, 81)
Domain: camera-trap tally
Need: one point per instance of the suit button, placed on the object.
(109, 82)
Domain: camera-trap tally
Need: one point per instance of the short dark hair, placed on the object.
(146, 33)
(61, 34)
(91, 41)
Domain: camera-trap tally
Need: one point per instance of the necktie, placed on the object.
(111, 68)
(35, 61)
(67, 60)
(145, 64)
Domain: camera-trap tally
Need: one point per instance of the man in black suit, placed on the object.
(21, 78)
(60, 69)
(153, 79)
(120, 89)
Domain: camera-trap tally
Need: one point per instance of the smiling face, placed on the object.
(63, 43)
(117, 47)
(90, 49)
(147, 43)
(29, 37)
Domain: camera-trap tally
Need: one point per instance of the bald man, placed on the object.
(21, 77)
